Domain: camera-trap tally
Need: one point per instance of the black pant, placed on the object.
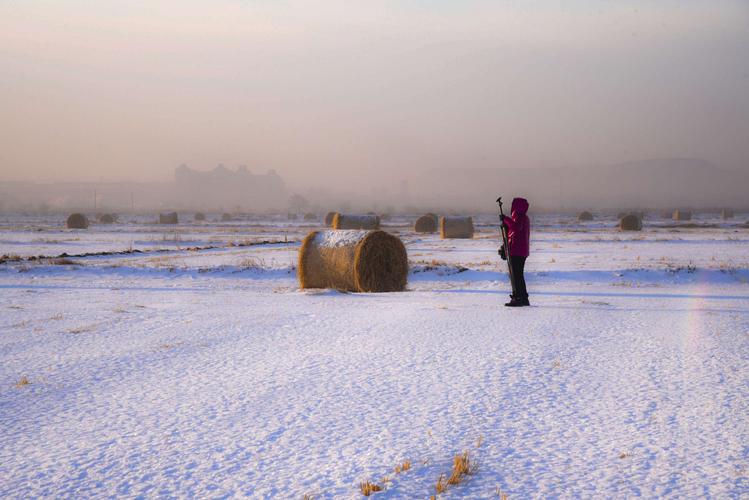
(518, 265)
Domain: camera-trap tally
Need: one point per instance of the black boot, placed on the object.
(514, 303)
(524, 302)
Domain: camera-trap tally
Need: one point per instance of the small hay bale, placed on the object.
(107, 219)
(168, 218)
(353, 260)
(426, 224)
(682, 215)
(630, 222)
(585, 216)
(456, 227)
(726, 214)
(310, 216)
(77, 221)
(329, 218)
(341, 221)
(200, 216)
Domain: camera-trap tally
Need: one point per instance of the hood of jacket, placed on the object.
(519, 206)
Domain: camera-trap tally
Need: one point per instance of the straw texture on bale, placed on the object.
(726, 213)
(329, 218)
(426, 224)
(107, 219)
(585, 216)
(352, 260)
(77, 221)
(168, 218)
(341, 221)
(199, 216)
(682, 215)
(630, 222)
(456, 227)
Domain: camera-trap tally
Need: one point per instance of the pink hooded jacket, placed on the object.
(519, 228)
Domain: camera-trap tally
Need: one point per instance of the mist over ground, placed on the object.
(377, 104)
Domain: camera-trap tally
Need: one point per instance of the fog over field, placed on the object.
(387, 103)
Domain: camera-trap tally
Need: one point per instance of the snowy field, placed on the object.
(185, 361)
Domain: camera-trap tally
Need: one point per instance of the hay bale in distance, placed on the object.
(456, 227)
(426, 224)
(630, 222)
(107, 219)
(168, 218)
(77, 221)
(309, 216)
(225, 217)
(341, 221)
(200, 216)
(329, 218)
(682, 215)
(291, 216)
(353, 260)
(585, 216)
(726, 214)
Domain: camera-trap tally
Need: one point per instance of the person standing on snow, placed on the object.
(518, 241)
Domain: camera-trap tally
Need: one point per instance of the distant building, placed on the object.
(229, 189)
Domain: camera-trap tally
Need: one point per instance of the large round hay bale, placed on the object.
(200, 216)
(726, 213)
(456, 227)
(77, 221)
(168, 218)
(353, 260)
(426, 224)
(341, 221)
(329, 218)
(682, 215)
(107, 219)
(585, 216)
(630, 222)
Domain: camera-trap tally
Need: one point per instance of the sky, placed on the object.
(329, 92)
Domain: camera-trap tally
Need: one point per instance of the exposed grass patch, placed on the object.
(251, 263)
(63, 261)
(56, 317)
(10, 258)
(23, 382)
(403, 467)
(82, 329)
(441, 485)
(367, 488)
(463, 466)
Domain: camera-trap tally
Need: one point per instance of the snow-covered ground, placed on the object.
(207, 372)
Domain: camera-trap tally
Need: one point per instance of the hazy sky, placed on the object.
(327, 89)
